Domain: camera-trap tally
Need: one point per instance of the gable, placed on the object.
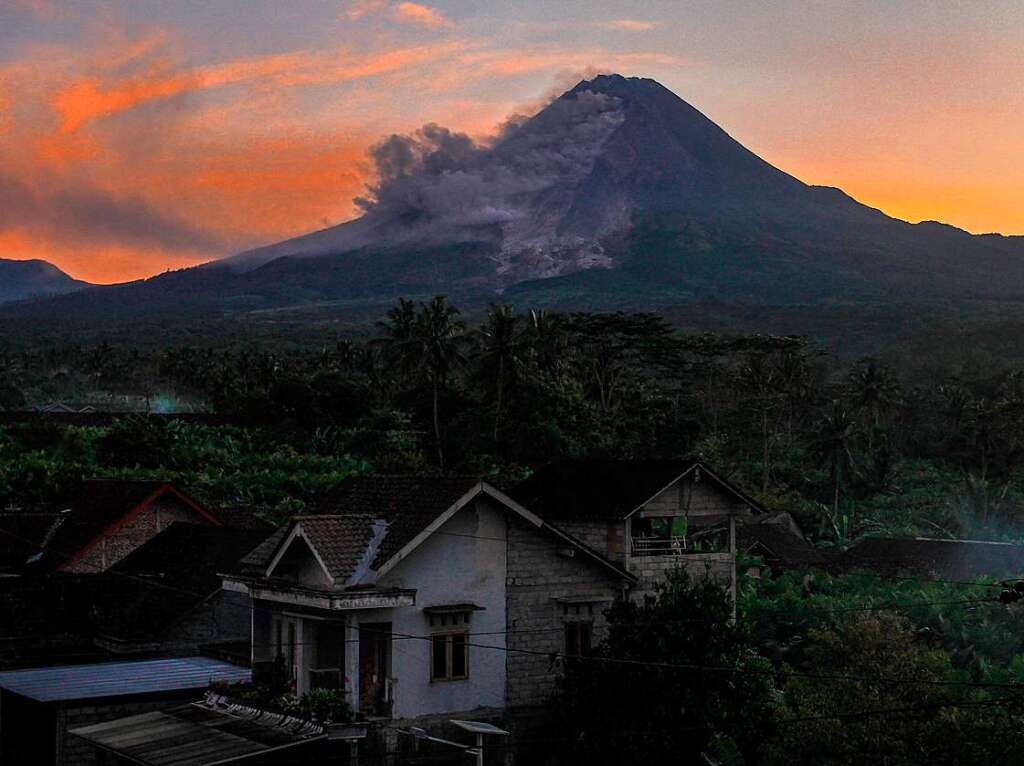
(297, 560)
(690, 495)
(131, 512)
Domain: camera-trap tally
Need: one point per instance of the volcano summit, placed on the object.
(617, 191)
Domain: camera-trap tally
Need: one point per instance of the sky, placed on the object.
(138, 136)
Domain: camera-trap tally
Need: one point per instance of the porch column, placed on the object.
(352, 659)
(302, 636)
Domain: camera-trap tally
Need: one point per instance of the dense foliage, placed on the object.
(849, 448)
(929, 669)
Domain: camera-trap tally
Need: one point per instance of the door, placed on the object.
(374, 667)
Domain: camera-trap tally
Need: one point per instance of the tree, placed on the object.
(500, 354)
(888, 703)
(833, 437)
(675, 681)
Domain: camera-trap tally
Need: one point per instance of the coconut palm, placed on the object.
(833, 439)
(500, 354)
(441, 337)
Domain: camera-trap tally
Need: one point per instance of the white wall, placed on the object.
(454, 565)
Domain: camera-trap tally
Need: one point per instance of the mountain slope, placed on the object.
(617, 193)
(25, 279)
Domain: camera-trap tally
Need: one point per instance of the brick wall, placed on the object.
(538, 575)
(159, 515)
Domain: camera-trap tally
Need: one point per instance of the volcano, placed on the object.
(618, 192)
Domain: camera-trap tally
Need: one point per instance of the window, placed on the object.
(449, 656)
(577, 639)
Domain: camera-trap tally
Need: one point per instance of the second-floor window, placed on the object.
(577, 638)
(449, 656)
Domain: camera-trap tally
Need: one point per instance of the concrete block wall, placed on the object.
(539, 574)
(653, 570)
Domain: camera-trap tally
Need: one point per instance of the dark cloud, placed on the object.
(86, 215)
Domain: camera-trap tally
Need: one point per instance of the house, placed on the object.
(647, 516)
(931, 557)
(74, 642)
(106, 521)
(163, 599)
(424, 596)
(780, 544)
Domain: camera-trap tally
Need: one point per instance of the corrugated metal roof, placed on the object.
(116, 679)
(196, 735)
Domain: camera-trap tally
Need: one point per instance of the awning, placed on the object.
(198, 735)
(118, 679)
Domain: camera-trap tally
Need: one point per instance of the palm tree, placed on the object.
(441, 337)
(874, 390)
(547, 336)
(833, 438)
(500, 353)
(400, 342)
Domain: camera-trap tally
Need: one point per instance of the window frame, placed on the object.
(448, 670)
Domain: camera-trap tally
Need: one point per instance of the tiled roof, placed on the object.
(780, 543)
(944, 558)
(407, 503)
(596, 489)
(371, 518)
(98, 503)
(138, 599)
(341, 525)
(240, 517)
(168, 577)
(342, 542)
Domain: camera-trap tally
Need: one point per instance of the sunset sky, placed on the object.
(144, 135)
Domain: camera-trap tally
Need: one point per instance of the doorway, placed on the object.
(375, 668)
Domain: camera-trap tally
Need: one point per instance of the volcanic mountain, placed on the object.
(617, 193)
(26, 279)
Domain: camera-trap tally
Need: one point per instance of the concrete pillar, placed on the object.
(302, 670)
(352, 659)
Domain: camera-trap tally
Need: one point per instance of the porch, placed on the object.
(308, 651)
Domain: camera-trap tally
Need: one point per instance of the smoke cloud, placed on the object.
(440, 179)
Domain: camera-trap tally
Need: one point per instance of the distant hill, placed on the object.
(26, 279)
(617, 194)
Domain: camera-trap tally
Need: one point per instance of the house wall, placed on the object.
(695, 499)
(156, 517)
(607, 538)
(463, 562)
(539, 574)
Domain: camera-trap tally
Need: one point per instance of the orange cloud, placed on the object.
(88, 98)
(421, 14)
(630, 25)
(357, 9)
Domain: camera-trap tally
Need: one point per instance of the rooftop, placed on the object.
(118, 679)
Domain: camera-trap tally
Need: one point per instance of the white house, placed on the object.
(424, 596)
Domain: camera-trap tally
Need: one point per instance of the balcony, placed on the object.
(712, 541)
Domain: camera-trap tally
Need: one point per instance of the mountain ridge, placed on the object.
(22, 279)
(616, 175)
